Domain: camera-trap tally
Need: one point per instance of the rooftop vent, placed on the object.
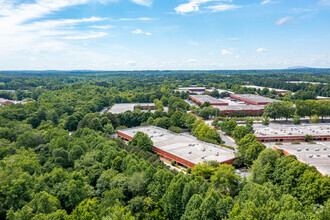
(203, 149)
(151, 136)
(298, 149)
(317, 149)
(217, 154)
(318, 155)
(148, 129)
(310, 156)
(189, 152)
(306, 149)
(203, 157)
(324, 148)
(328, 155)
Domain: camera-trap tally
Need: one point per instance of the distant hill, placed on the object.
(299, 67)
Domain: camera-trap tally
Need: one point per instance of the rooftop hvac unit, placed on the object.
(217, 154)
(310, 156)
(306, 149)
(324, 148)
(133, 132)
(154, 131)
(298, 149)
(203, 149)
(151, 136)
(328, 155)
(189, 152)
(317, 149)
(203, 157)
(148, 129)
(318, 155)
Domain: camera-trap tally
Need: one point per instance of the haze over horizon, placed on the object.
(163, 35)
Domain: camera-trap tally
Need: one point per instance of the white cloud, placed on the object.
(43, 35)
(324, 2)
(226, 52)
(102, 26)
(131, 63)
(237, 57)
(195, 6)
(86, 36)
(139, 31)
(261, 50)
(136, 19)
(222, 7)
(193, 43)
(191, 61)
(266, 2)
(233, 38)
(143, 2)
(284, 20)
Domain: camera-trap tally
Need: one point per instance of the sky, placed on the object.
(163, 34)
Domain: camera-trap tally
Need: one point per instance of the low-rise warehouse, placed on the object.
(278, 91)
(247, 109)
(184, 149)
(290, 133)
(317, 155)
(123, 107)
(193, 89)
(206, 98)
(219, 91)
(253, 99)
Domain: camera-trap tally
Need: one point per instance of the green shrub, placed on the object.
(175, 129)
(308, 137)
(265, 121)
(173, 162)
(295, 142)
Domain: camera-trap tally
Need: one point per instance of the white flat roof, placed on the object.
(239, 107)
(262, 87)
(255, 98)
(277, 130)
(123, 107)
(184, 146)
(313, 154)
(207, 98)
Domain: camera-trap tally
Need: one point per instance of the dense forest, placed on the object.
(59, 159)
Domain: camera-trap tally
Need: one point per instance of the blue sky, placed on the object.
(163, 34)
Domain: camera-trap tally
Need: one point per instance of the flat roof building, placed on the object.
(123, 107)
(247, 109)
(317, 155)
(278, 91)
(184, 149)
(206, 98)
(193, 89)
(219, 91)
(322, 98)
(251, 99)
(291, 133)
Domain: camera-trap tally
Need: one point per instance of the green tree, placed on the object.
(226, 180)
(71, 123)
(228, 125)
(142, 141)
(296, 120)
(265, 120)
(239, 132)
